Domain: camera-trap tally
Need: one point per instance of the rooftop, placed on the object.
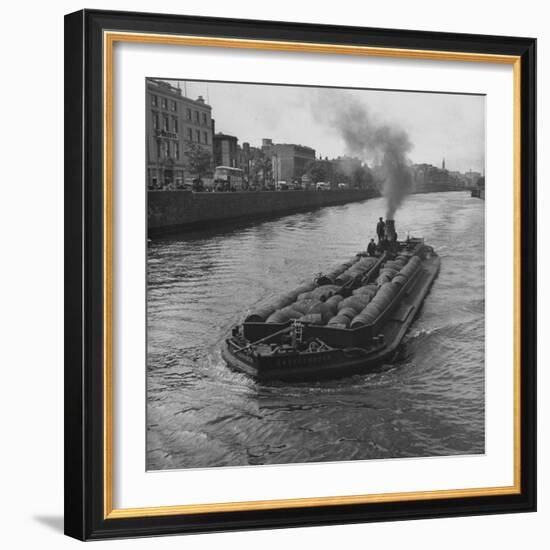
(165, 87)
(294, 145)
(222, 135)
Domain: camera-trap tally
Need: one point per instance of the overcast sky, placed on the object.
(438, 125)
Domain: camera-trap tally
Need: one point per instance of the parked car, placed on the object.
(281, 186)
(198, 185)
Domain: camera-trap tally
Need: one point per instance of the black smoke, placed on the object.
(371, 140)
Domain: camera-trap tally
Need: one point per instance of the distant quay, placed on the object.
(478, 193)
(169, 211)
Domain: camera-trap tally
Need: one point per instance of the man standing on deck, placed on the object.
(380, 229)
(371, 248)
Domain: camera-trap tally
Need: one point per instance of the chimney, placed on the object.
(390, 230)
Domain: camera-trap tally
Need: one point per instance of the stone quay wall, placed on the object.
(170, 210)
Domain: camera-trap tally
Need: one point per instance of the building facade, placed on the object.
(226, 150)
(173, 123)
(472, 177)
(428, 178)
(290, 161)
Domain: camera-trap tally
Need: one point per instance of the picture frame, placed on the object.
(90, 36)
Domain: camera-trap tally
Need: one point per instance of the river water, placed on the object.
(429, 401)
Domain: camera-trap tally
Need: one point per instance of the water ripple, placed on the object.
(429, 401)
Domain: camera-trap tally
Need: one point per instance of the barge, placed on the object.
(344, 322)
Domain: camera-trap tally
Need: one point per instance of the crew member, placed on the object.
(380, 229)
(371, 248)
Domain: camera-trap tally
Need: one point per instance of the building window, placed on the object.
(190, 134)
(154, 100)
(165, 123)
(197, 117)
(204, 119)
(164, 103)
(168, 152)
(155, 120)
(188, 114)
(174, 106)
(175, 124)
(205, 137)
(177, 150)
(159, 149)
(198, 134)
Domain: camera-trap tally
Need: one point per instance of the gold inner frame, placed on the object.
(109, 39)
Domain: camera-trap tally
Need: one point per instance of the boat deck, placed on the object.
(333, 362)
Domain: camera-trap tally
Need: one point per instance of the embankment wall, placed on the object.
(178, 209)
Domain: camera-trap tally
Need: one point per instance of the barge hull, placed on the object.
(394, 330)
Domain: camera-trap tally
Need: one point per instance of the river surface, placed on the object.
(429, 401)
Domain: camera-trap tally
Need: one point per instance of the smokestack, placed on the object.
(390, 230)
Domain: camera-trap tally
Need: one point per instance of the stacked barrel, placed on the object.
(330, 277)
(389, 282)
(350, 307)
(319, 293)
(325, 305)
(316, 306)
(357, 269)
(262, 313)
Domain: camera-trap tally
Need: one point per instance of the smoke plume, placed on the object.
(372, 141)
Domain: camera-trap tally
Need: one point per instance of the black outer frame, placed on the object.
(84, 517)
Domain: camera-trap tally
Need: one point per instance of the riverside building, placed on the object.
(226, 150)
(290, 161)
(173, 123)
